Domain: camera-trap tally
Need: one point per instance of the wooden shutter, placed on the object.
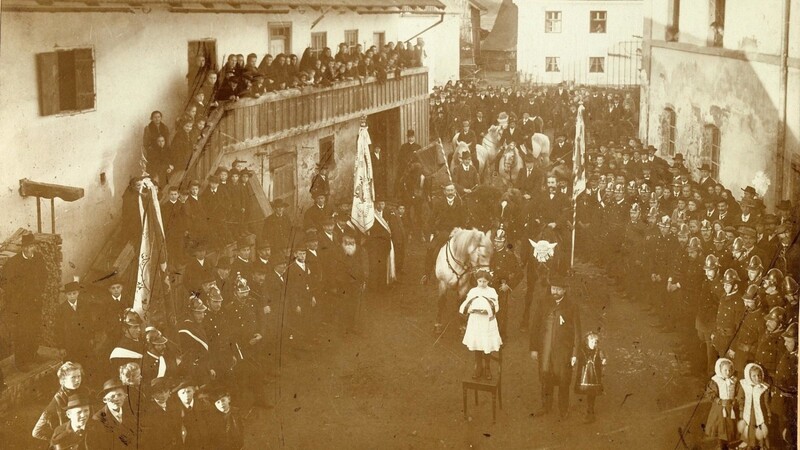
(47, 66)
(84, 79)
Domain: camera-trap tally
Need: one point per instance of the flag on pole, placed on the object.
(362, 215)
(152, 251)
(578, 165)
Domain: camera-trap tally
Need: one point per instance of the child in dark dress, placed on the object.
(589, 380)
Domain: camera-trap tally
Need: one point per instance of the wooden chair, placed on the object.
(494, 386)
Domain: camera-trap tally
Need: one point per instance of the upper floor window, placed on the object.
(66, 81)
(551, 64)
(668, 131)
(597, 22)
(673, 21)
(318, 42)
(717, 28)
(552, 22)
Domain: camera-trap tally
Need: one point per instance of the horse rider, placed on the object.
(448, 213)
(465, 175)
(468, 137)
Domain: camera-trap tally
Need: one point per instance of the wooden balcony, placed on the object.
(277, 115)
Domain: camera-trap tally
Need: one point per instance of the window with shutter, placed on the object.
(327, 155)
(66, 81)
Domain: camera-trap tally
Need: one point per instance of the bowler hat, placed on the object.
(213, 179)
(223, 263)
(110, 385)
(184, 383)
(528, 158)
(558, 281)
(678, 157)
(311, 236)
(28, 239)
(784, 205)
(160, 384)
(72, 286)
(746, 231)
(280, 203)
(77, 400)
(242, 243)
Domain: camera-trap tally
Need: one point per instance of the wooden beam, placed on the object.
(291, 132)
(28, 188)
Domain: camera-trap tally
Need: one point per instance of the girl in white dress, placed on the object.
(482, 335)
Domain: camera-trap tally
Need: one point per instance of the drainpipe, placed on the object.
(441, 19)
(780, 154)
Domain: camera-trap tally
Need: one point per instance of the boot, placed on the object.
(487, 366)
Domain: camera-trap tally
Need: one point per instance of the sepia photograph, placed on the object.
(399, 224)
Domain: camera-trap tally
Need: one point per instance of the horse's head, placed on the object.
(492, 136)
(481, 253)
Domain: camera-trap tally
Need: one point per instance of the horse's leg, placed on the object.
(441, 312)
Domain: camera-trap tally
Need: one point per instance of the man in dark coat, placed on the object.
(379, 244)
(348, 281)
(194, 342)
(506, 275)
(465, 175)
(448, 213)
(554, 342)
(244, 328)
(24, 278)
(75, 326)
(198, 269)
(193, 421)
(317, 213)
(160, 419)
(299, 296)
(118, 421)
(468, 137)
(278, 227)
(529, 179)
(407, 156)
(216, 206)
(379, 171)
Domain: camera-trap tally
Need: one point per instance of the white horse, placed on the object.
(486, 151)
(510, 164)
(465, 251)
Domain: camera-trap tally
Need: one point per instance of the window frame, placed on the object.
(379, 45)
(669, 135)
(552, 59)
(323, 142)
(317, 52)
(711, 148)
(351, 46)
(551, 21)
(51, 74)
(592, 21)
(601, 59)
(271, 32)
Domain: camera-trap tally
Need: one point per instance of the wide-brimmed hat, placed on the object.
(77, 400)
(110, 385)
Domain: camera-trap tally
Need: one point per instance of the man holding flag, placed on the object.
(152, 261)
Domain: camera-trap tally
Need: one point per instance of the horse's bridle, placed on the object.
(466, 266)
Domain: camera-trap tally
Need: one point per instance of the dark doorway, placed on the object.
(384, 130)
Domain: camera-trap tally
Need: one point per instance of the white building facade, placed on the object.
(130, 59)
(726, 95)
(591, 42)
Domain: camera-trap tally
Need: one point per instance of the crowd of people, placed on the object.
(712, 266)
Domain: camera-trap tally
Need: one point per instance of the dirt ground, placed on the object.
(398, 385)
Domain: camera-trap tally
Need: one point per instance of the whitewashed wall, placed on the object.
(140, 65)
(574, 44)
